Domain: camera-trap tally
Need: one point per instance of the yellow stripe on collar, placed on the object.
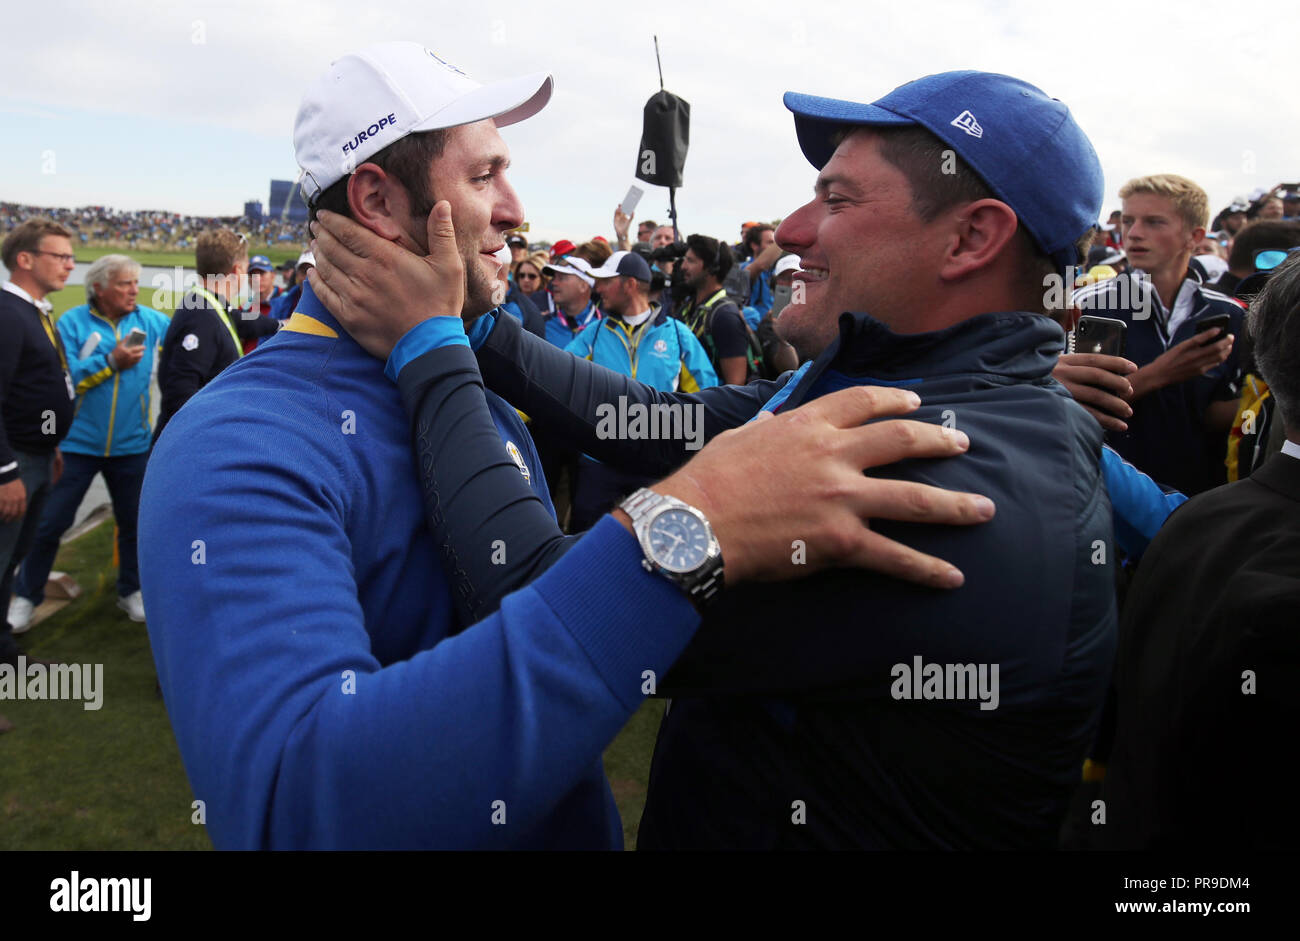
(301, 323)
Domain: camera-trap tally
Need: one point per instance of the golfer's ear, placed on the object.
(378, 201)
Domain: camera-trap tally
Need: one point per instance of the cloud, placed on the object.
(1158, 88)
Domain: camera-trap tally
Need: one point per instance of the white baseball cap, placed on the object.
(785, 263)
(572, 264)
(306, 258)
(369, 99)
(624, 264)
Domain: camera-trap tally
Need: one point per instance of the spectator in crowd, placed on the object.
(779, 354)
(1232, 219)
(716, 322)
(255, 323)
(571, 305)
(36, 393)
(777, 740)
(593, 252)
(1267, 208)
(540, 295)
(1291, 204)
(518, 248)
(762, 251)
(286, 303)
(1115, 230)
(783, 273)
(269, 287)
(572, 285)
(640, 341)
(1208, 677)
(518, 301)
(645, 230)
(526, 273)
(288, 271)
(561, 249)
(1101, 247)
(1187, 383)
(112, 340)
(663, 237)
(201, 340)
(1246, 247)
(1209, 261)
(320, 568)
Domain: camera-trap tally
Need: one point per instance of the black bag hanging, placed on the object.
(665, 136)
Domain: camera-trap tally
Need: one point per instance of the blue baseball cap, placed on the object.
(260, 263)
(1024, 145)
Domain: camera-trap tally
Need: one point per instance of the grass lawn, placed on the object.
(73, 779)
(278, 253)
(77, 779)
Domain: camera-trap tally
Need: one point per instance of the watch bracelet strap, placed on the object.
(641, 502)
(705, 590)
(637, 506)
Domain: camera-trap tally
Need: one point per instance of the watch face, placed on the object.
(678, 540)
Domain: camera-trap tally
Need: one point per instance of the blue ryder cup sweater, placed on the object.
(323, 691)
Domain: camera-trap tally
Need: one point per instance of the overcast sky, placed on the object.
(190, 106)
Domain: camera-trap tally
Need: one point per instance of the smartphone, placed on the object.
(1103, 335)
(631, 199)
(135, 337)
(1219, 322)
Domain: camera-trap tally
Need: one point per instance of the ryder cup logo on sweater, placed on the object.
(518, 458)
(966, 121)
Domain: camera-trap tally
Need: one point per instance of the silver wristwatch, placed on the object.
(678, 542)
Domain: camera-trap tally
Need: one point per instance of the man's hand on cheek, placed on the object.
(379, 290)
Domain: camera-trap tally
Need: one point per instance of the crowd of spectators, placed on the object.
(146, 229)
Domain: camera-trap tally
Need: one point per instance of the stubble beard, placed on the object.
(806, 332)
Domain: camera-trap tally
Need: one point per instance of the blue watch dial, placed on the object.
(679, 542)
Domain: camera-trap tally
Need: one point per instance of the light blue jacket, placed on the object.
(661, 352)
(113, 408)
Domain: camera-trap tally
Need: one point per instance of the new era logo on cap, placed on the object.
(966, 121)
(1046, 171)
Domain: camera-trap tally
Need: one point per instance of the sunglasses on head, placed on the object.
(1269, 258)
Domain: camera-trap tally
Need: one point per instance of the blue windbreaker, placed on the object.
(113, 408)
(661, 352)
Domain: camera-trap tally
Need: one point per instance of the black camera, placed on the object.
(674, 252)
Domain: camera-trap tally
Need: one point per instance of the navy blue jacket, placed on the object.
(33, 383)
(1166, 435)
(195, 349)
(787, 692)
